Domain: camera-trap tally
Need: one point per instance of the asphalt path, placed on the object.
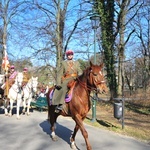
(32, 133)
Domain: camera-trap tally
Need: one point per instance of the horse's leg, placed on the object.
(79, 122)
(72, 138)
(28, 106)
(24, 106)
(48, 115)
(18, 107)
(6, 104)
(11, 107)
(53, 118)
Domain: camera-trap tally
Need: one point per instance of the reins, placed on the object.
(87, 87)
(84, 85)
(18, 87)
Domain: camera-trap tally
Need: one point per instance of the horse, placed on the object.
(28, 92)
(92, 79)
(15, 94)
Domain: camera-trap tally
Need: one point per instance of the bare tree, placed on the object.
(59, 25)
(124, 34)
(142, 25)
(8, 9)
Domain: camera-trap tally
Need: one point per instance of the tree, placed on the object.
(106, 11)
(57, 34)
(115, 19)
(141, 24)
(8, 9)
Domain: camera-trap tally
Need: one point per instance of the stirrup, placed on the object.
(59, 107)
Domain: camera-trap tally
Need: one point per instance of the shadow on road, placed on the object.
(61, 131)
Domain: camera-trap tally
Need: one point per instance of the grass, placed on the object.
(136, 121)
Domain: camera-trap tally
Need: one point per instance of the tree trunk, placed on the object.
(60, 19)
(4, 35)
(106, 11)
(121, 47)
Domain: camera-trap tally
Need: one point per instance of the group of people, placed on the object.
(68, 71)
(9, 78)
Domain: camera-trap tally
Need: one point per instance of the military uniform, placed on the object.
(26, 78)
(10, 80)
(69, 70)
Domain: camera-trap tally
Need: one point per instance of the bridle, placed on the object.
(19, 86)
(92, 79)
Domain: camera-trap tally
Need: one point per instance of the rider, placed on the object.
(26, 76)
(69, 70)
(9, 79)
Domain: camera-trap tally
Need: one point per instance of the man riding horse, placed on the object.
(26, 76)
(69, 70)
(9, 80)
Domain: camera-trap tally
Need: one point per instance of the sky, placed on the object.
(24, 37)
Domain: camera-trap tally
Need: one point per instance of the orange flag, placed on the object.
(5, 62)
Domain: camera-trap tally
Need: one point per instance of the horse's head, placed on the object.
(96, 78)
(19, 79)
(34, 83)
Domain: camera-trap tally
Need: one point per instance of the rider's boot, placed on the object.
(59, 107)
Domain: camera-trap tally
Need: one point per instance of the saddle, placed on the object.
(68, 96)
(8, 83)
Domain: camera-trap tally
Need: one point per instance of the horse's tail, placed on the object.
(51, 108)
(48, 101)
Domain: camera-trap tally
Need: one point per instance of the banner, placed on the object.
(5, 61)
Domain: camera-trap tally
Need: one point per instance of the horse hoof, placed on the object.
(18, 118)
(54, 138)
(73, 146)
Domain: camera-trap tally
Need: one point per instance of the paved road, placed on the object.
(32, 133)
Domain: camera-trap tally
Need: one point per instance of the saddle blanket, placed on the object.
(67, 97)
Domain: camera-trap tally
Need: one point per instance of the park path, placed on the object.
(32, 133)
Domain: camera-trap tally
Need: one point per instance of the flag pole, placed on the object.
(5, 65)
(7, 85)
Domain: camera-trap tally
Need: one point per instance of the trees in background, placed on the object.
(116, 35)
(106, 11)
(141, 24)
(59, 24)
(8, 10)
(46, 29)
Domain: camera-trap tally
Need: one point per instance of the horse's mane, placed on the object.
(85, 73)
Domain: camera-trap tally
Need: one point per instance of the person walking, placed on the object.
(68, 71)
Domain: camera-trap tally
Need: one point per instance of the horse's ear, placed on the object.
(101, 65)
(91, 64)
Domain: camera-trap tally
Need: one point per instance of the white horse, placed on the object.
(28, 90)
(15, 94)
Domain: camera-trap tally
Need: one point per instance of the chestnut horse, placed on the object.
(92, 79)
